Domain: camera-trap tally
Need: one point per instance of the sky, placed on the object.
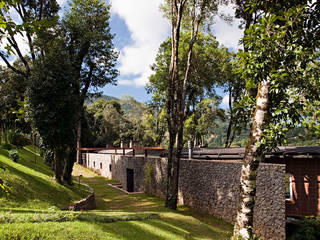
(139, 29)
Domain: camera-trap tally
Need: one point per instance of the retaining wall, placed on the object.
(212, 187)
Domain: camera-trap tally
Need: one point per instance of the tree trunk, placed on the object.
(253, 155)
(58, 163)
(5, 134)
(173, 86)
(68, 166)
(228, 143)
(172, 191)
(78, 152)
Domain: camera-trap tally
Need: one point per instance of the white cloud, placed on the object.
(125, 82)
(228, 34)
(225, 101)
(62, 2)
(148, 30)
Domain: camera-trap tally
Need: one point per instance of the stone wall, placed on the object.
(87, 203)
(213, 187)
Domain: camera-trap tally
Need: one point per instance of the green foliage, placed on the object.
(276, 52)
(27, 19)
(37, 217)
(4, 189)
(306, 229)
(89, 40)
(53, 100)
(156, 125)
(12, 93)
(113, 121)
(17, 139)
(14, 155)
(211, 67)
(148, 173)
(6, 146)
(203, 120)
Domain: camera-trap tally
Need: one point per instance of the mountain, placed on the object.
(89, 101)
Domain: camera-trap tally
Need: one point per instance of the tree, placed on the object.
(53, 102)
(107, 117)
(12, 95)
(90, 47)
(202, 120)
(34, 18)
(282, 62)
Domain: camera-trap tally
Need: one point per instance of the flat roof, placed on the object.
(238, 153)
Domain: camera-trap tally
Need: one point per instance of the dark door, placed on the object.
(130, 180)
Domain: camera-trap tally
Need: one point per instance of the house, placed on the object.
(287, 182)
(302, 176)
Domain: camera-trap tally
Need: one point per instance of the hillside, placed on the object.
(31, 183)
(89, 101)
(129, 105)
(31, 211)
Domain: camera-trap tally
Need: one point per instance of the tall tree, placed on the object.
(282, 62)
(53, 103)
(193, 15)
(90, 47)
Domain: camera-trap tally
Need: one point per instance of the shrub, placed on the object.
(306, 229)
(14, 155)
(17, 139)
(6, 146)
(47, 155)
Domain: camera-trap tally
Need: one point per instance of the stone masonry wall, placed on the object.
(213, 187)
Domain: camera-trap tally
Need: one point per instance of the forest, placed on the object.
(51, 95)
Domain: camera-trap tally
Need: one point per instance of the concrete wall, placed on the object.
(213, 187)
(99, 163)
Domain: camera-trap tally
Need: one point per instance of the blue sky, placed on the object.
(139, 29)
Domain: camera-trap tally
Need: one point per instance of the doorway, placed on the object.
(130, 180)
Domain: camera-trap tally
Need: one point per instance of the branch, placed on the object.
(30, 42)
(10, 66)
(87, 85)
(13, 42)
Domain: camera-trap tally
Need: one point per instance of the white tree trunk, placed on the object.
(253, 155)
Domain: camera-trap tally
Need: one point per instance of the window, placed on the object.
(110, 167)
(94, 164)
(289, 192)
(101, 165)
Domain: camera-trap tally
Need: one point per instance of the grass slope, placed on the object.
(31, 184)
(118, 215)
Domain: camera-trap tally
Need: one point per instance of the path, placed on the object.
(175, 224)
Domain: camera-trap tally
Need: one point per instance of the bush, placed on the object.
(47, 155)
(14, 155)
(6, 146)
(306, 229)
(17, 139)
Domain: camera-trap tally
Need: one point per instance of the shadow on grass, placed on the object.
(185, 223)
(26, 188)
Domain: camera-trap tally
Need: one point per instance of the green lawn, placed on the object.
(118, 215)
(32, 185)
